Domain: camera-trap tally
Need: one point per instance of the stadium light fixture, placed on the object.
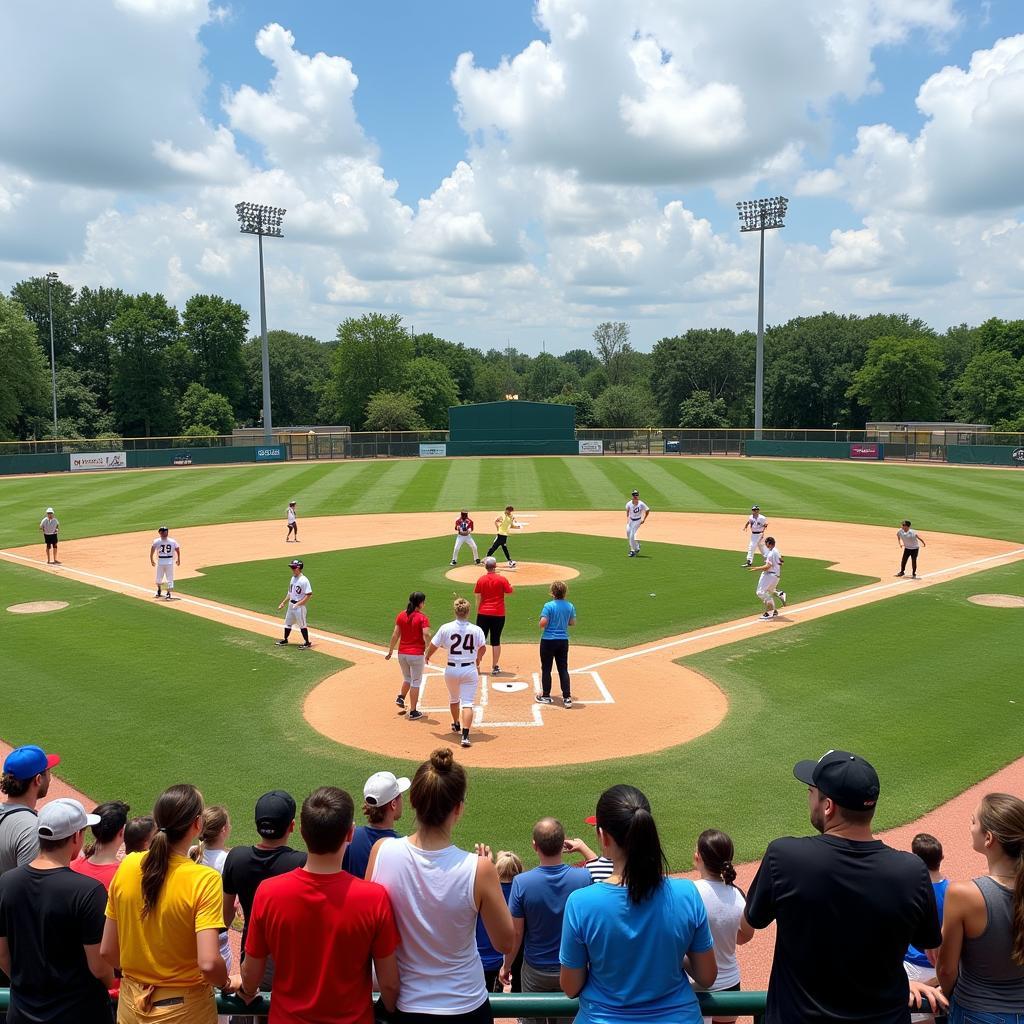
(51, 278)
(258, 220)
(761, 215)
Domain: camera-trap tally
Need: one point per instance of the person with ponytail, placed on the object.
(412, 634)
(164, 913)
(99, 858)
(437, 892)
(724, 903)
(212, 850)
(981, 961)
(628, 943)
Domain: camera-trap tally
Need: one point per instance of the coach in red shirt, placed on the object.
(323, 927)
(490, 592)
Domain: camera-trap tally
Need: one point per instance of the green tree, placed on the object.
(142, 334)
(214, 330)
(581, 360)
(430, 383)
(1001, 335)
(372, 354)
(78, 404)
(494, 381)
(624, 405)
(300, 371)
(201, 406)
(989, 390)
(25, 374)
(581, 401)
(701, 410)
(611, 342)
(899, 379)
(461, 362)
(595, 381)
(548, 377)
(393, 410)
(92, 316)
(32, 294)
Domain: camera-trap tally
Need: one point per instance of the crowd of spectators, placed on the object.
(434, 928)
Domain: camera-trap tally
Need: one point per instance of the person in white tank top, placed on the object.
(436, 892)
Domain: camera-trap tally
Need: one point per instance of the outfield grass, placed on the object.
(922, 684)
(958, 500)
(620, 601)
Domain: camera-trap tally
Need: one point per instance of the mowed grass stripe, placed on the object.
(720, 489)
(673, 490)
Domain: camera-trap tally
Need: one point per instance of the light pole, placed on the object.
(260, 221)
(761, 215)
(51, 277)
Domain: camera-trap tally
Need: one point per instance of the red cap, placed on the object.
(592, 820)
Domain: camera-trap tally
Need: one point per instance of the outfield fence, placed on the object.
(525, 1005)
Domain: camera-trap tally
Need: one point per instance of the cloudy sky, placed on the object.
(519, 171)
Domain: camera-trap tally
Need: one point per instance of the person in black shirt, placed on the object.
(51, 923)
(847, 906)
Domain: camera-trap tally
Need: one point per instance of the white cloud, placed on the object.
(818, 183)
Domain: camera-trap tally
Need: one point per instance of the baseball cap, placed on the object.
(592, 820)
(464, 513)
(28, 762)
(162, 529)
(383, 787)
(62, 818)
(49, 510)
(755, 508)
(291, 502)
(847, 778)
(295, 563)
(275, 811)
(637, 493)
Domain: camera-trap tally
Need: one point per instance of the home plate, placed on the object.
(509, 686)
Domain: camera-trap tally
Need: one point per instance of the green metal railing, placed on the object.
(516, 1004)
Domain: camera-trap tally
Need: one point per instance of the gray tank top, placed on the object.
(989, 980)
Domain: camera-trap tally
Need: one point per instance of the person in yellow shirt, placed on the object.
(504, 524)
(164, 913)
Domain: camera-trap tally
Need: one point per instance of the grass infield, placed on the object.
(620, 601)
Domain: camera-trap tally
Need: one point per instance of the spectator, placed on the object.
(211, 850)
(847, 905)
(51, 922)
(164, 913)
(437, 891)
(25, 781)
(138, 834)
(101, 862)
(382, 806)
(323, 928)
(981, 963)
(599, 867)
(555, 619)
(508, 865)
(490, 592)
(628, 943)
(246, 867)
(537, 905)
(724, 904)
(915, 961)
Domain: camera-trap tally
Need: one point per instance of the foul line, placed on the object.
(220, 608)
(824, 603)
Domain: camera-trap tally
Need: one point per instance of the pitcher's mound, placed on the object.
(31, 607)
(997, 600)
(524, 574)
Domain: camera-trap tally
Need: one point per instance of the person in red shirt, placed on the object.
(464, 535)
(323, 927)
(412, 634)
(101, 861)
(490, 592)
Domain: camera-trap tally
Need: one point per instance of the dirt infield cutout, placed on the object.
(522, 574)
(35, 607)
(997, 600)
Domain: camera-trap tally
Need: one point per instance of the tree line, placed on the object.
(134, 365)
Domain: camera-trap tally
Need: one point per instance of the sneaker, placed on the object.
(281, 643)
(158, 594)
(456, 727)
(465, 741)
(775, 613)
(767, 615)
(901, 574)
(782, 598)
(476, 561)
(638, 548)
(632, 554)
(567, 702)
(913, 576)
(57, 562)
(453, 561)
(168, 597)
(306, 646)
(511, 565)
(400, 701)
(543, 699)
(415, 715)
(496, 671)
(748, 564)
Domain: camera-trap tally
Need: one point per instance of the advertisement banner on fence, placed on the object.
(271, 453)
(591, 447)
(863, 451)
(99, 460)
(433, 451)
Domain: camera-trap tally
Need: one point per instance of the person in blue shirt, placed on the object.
(508, 865)
(555, 619)
(628, 943)
(382, 805)
(916, 962)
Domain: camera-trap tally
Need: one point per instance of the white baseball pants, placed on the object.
(295, 616)
(165, 574)
(766, 587)
(756, 544)
(632, 525)
(462, 684)
(464, 539)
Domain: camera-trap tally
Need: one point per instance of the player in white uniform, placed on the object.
(299, 592)
(768, 584)
(636, 515)
(464, 535)
(757, 524)
(465, 645)
(293, 525)
(168, 554)
(49, 526)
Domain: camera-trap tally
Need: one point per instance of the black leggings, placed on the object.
(501, 541)
(910, 553)
(556, 651)
(483, 1014)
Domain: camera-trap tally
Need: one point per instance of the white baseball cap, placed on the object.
(383, 787)
(62, 818)
(49, 510)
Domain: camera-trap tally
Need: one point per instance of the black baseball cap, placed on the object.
(636, 492)
(275, 811)
(846, 778)
(162, 529)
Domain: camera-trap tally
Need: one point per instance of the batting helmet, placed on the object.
(295, 563)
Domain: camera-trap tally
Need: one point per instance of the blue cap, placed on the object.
(27, 762)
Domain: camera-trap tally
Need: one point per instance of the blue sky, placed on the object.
(582, 165)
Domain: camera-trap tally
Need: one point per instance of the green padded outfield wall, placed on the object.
(512, 428)
(815, 449)
(985, 454)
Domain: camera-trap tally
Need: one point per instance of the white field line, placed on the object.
(824, 603)
(220, 608)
